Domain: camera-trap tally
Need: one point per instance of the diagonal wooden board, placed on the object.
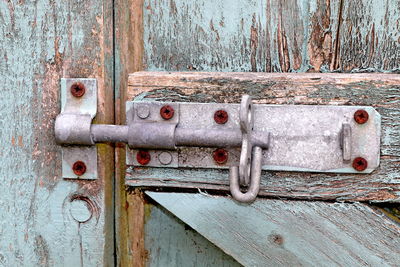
(289, 233)
(381, 91)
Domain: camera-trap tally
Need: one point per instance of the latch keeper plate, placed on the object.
(302, 138)
(79, 113)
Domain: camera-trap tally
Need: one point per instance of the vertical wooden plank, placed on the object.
(300, 35)
(40, 42)
(128, 58)
(136, 254)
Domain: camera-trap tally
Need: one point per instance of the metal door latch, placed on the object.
(245, 138)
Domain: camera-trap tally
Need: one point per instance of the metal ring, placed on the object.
(254, 187)
(246, 114)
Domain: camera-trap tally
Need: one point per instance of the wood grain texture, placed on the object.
(136, 254)
(381, 91)
(272, 36)
(370, 36)
(171, 243)
(40, 42)
(128, 53)
(289, 233)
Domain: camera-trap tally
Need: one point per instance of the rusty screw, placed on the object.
(220, 156)
(361, 116)
(143, 157)
(79, 168)
(221, 116)
(78, 89)
(360, 164)
(167, 112)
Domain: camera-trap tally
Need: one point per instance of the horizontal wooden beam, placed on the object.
(381, 91)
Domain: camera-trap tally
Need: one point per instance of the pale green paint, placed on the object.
(80, 211)
(289, 233)
(204, 35)
(216, 35)
(171, 243)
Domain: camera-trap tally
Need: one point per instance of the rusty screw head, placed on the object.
(220, 156)
(361, 116)
(79, 168)
(360, 164)
(78, 89)
(167, 112)
(221, 116)
(143, 157)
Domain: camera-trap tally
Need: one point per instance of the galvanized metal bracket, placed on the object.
(73, 128)
(300, 138)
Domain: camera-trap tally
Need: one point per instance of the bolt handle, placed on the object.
(249, 171)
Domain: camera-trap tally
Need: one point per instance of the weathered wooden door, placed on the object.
(313, 52)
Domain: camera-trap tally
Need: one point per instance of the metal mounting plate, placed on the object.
(85, 105)
(302, 138)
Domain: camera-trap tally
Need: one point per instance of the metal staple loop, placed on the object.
(255, 177)
(249, 171)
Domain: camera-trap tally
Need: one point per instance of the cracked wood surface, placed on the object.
(271, 36)
(382, 91)
(41, 42)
